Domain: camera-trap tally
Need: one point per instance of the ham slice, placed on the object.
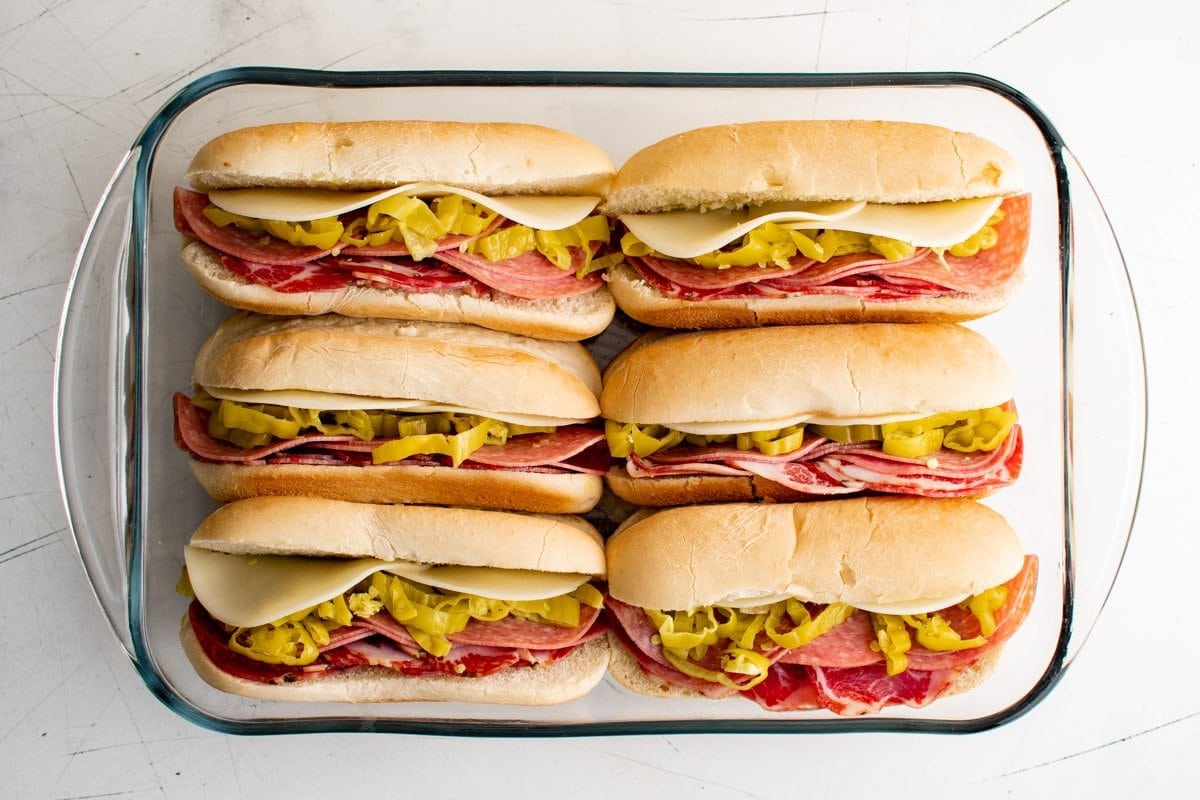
(824, 467)
(571, 448)
(862, 274)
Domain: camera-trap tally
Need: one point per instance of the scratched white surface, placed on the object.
(79, 79)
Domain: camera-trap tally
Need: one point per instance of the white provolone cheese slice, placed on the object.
(246, 590)
(254, 590)
(749, 426)
(754, 602)
(329, 401)
(299, 205)
(915, 607)
(687, 234)
(493, 582)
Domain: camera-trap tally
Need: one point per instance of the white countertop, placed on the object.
(80, 80)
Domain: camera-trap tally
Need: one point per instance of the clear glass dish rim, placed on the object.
(146, 146)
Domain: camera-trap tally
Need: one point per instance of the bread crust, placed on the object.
(637, 298)
(564, 680)
(682, 490)
(860, 551)
(438, 362)
(730, 166)
(562, 319)
(316, 527)
(569, 493)
(828, 371)
(488, 157)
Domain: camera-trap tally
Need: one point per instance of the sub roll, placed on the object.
(811, 221)
(385, 411)
(846, 605)
(301, 599)
(801, 412)
(489, 223)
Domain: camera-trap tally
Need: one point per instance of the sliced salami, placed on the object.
(530, 276)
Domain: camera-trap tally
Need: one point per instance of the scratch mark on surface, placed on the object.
(15, 556)
(27, 290)
(821, 36)
(1023, 28)
(210, 61)
(705, 783)
(347, 57)
(1099, 747)
(31, 541)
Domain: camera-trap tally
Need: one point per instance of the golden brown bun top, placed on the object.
(752, 163)
(440, 362)
(305, 526)
(489, 157)
(842, 371)
(862, 551)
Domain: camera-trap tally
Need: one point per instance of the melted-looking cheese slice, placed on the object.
(915, 606)
(749, 426)
(300, 205)
(245, 590)
(687, 234)
(908, 607)
(328, 401)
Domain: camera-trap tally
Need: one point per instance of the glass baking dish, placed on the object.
(133, 321)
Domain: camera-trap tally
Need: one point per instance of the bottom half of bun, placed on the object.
(563, 319)
(510, 490)
(678, 490)
(559, 682)
(643, 302)
(625, 670)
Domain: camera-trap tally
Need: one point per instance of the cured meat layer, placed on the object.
(571, 448)
(838, 670)
(823, 467)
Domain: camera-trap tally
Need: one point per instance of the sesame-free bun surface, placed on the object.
(829, 371)
(488, 157)
(513, 490)
(438, 362)
(559, 319)
(753, 163)
(304, 526)
(559, 682)
(860, 551)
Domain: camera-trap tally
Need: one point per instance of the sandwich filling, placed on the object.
(778, 259)
(953, 454)
(791, 655)
(228, 431)
(394, 621)
(430, 243)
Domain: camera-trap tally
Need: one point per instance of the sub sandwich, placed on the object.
(488, 223)
(798, 222)
(303, 599)
(847, 605)
(790, 413)
(385, 411)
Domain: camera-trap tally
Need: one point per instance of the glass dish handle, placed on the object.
(93, 399)
(1106, 413)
